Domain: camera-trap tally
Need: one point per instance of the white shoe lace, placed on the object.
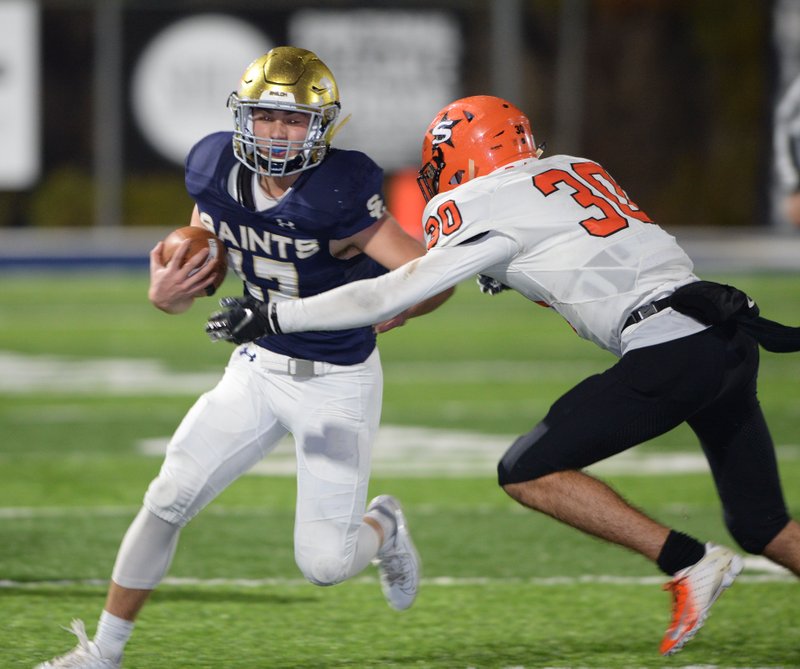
(80, 657)
(397, 571)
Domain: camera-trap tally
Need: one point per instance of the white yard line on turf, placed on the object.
(765, 570)
(437, 581)
(21, 374)
(400, 451)
(426, 452)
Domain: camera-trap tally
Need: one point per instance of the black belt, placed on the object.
(638, 315)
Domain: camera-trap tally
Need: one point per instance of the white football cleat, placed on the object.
(398, 561)
(86, 655)
(694, 590)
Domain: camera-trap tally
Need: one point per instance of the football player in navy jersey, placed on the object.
(297, 218)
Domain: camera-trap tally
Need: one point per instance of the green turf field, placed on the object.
(90, 374)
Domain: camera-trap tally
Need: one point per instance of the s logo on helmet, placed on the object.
(443, 131)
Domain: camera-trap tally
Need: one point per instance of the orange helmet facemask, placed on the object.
(472, 137)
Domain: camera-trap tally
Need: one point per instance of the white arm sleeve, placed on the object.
(371, 301)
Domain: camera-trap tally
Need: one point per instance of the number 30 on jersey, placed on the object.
(588, 184)
(445, 221)
(592, 186)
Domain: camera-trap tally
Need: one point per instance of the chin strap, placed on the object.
(335, 130)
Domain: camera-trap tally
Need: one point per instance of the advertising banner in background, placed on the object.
(20, 133)
(395, 70)
(183, 78)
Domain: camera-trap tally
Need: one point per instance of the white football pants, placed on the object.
(333, 416)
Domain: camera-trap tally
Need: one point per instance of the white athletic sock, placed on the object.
(387, 522)
(112, 635)
(367, 545)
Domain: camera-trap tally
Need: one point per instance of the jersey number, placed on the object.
(445, 221)
(610, 198)
(282, 274)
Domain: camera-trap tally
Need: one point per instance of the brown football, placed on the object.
(201, 239)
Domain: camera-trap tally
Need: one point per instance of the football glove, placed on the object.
(490, 286)
(241, 320)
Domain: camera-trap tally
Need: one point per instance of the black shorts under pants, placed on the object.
(707, 380)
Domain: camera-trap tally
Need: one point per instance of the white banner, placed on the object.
(182, 79)
(20, 94)
(395, 69)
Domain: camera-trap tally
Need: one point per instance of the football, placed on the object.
(201, 239)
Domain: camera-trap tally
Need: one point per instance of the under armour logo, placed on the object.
(285, 224)
(245, 352)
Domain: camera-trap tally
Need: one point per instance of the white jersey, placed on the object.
(558, 230)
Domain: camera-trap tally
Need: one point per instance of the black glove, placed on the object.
(490, 286)
(241, 320)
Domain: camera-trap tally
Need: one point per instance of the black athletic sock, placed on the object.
(678, 552)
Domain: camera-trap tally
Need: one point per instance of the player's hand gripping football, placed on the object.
(490, 286)
(241, 320)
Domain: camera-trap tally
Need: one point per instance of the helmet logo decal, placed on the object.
(325, 86)
(443, 131)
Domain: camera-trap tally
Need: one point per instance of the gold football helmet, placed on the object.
(472, 137)
(288, 79)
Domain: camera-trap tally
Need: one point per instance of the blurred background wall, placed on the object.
(100, 99)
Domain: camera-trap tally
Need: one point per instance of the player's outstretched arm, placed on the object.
(362, 303)
(391, 246)
(375, 300)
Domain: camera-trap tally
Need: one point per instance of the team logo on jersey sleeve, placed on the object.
(375, 206)
(443, 131)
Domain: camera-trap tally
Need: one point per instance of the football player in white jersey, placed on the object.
(297, 217)
(562, 232)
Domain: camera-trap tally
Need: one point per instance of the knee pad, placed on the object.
(329, 552)
(171, 500)
(517, 465)
(322, 570)
(752, 532)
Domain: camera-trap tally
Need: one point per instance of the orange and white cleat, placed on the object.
(694, 590)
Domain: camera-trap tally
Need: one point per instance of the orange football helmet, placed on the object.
(472, 137)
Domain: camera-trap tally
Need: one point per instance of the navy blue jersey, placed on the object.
(284, 252)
